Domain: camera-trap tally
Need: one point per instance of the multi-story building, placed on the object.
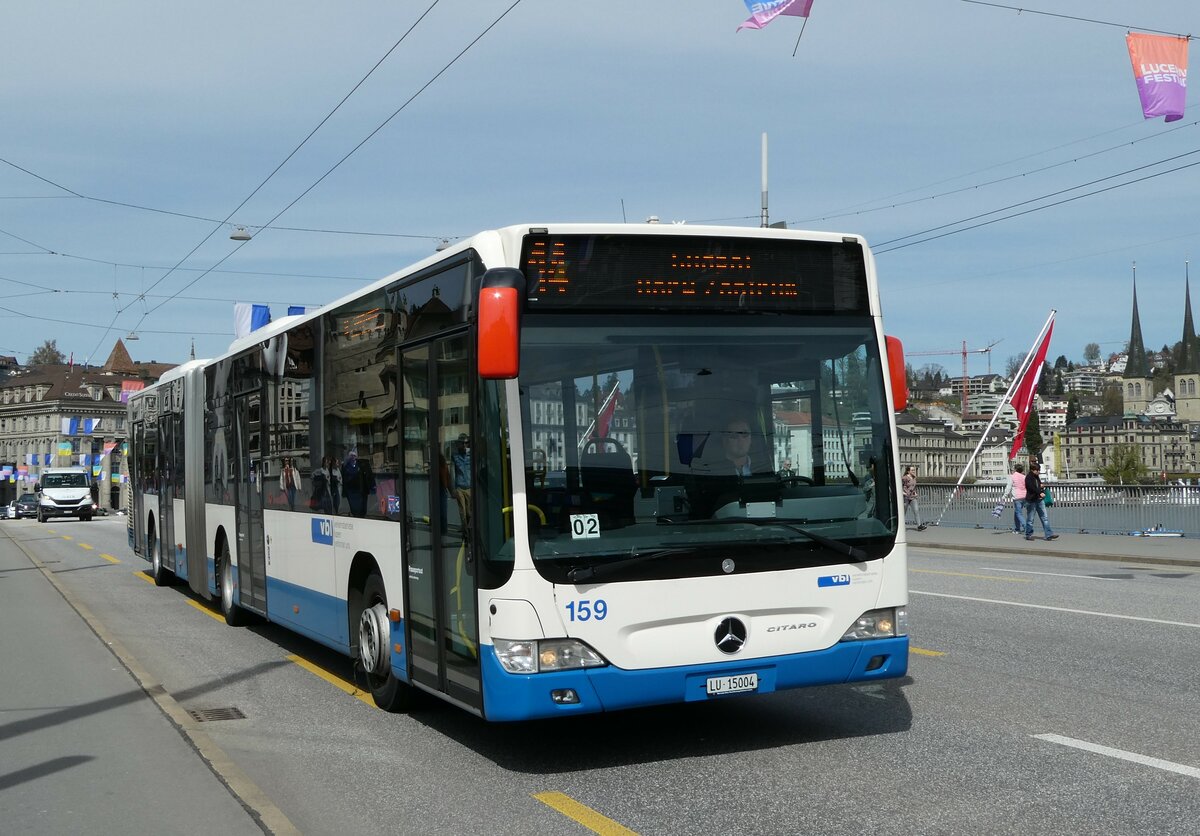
(1165, 448)
(60, 415)
(940, 452)
(1089, 380)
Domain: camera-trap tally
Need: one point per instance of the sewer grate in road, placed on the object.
(205, 715)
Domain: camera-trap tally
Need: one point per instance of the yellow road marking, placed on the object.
(144, 577)
(583, 814)
(920, 651)
(203, 609)
(86, 546)
(67, 537)
(968, 575)
(109, 558)
(336, 681)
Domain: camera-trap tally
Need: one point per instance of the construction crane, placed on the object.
(964, 352)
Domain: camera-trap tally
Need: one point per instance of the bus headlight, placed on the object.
(545, 655)
(879, 624)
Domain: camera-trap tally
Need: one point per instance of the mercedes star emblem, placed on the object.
(730, 635)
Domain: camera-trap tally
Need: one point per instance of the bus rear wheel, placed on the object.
(374, 650)
(235, 616)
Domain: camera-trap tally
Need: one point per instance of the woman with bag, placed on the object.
(1016, 487)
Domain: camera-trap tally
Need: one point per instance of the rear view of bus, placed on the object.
(697, 494)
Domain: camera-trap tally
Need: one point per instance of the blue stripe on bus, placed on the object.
(321, 617)
(527, 696)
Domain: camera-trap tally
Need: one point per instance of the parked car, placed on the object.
(26, 505)
(10, 511)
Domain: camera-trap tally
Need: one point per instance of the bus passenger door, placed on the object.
(252, 580)
(166, 491)
(439, 571)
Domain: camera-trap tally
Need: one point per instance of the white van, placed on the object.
(64, 492)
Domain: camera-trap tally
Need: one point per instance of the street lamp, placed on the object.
(239, 234)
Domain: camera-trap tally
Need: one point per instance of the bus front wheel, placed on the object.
(374, 650)
(235, 616)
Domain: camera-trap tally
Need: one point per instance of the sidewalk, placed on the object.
(1168, 551)
(86, 749)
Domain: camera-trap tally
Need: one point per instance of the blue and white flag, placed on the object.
(80, 426)
(248, 317)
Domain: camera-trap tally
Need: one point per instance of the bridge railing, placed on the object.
(1078, 507)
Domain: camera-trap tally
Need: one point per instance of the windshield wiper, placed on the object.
(579, 574)
(838, 546)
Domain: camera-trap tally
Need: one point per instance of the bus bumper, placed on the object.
(508, 697)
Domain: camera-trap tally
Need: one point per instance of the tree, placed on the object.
(1113, 402)
(47, 355)
(1013, 365)
(1059, 389)
(1033, 436)
(1072, 410)
(1124, 466)
(1091, 352)
(1061, 362)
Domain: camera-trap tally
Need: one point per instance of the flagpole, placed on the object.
(798, 37)
(1025, 364)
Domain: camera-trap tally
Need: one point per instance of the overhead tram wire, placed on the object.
(1125, 26)
(349, 153)
(43, 250)
(1027, 211)
(1041, 197)
(997, 181)
(263, 183)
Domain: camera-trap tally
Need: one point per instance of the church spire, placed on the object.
(1136, 366)
(1189, 357)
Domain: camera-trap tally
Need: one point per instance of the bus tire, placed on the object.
(235, 616)
(374, 650)
(161, 576)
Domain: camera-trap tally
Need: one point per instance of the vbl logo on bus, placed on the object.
(322, 530)
(834, 580)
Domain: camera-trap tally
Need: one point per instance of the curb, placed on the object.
(1115, 558)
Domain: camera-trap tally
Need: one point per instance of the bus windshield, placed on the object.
(699, 439)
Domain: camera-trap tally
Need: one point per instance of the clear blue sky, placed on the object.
(892, 119)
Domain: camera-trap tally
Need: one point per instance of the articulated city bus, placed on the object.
(555, 469)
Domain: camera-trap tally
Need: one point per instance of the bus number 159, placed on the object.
(585, 610)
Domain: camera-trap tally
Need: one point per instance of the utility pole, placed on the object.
(765, 222)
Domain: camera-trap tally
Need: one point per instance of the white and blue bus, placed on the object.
(555, 469)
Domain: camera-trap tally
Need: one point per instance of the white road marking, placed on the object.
(1056, 609)
(1052, 574)
(1144, 760)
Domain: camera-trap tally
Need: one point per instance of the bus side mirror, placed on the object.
(499, 343)
(37, 487)
(895, 356)
(499, 333)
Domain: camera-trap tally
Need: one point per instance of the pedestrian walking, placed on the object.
(908, 484)
(1035, 496)
(1016, 487)
(289, 482)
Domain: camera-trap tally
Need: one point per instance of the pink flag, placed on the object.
(763, 12)
(1160, 70)
(1023, 394)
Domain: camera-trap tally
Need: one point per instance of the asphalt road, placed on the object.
(1047, 694)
